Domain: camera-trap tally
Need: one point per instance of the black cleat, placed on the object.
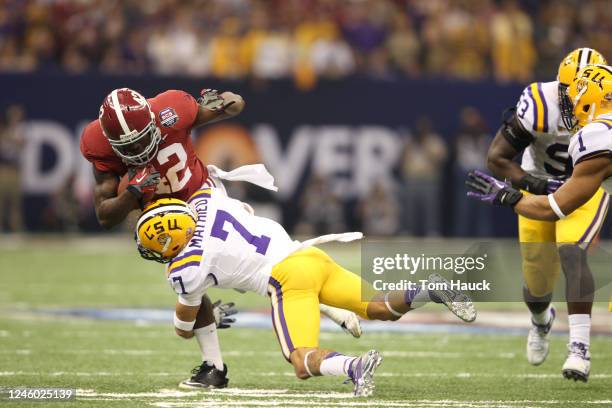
(206, 376)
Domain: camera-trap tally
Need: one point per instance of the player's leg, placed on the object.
(212, 373)
(347, 290)
(294, 289)
(574, 235)
(541, 269)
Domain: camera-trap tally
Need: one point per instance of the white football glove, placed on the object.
(343, 318)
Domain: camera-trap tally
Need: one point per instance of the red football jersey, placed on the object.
(182, 173)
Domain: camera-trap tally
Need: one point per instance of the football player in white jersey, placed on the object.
(590, 93)
(217, 241)
(540, 128)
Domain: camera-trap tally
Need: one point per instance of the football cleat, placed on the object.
(206, 376)
(538, 340)
(578, 363)
(361, 373)
(457, 302)
(343, 318)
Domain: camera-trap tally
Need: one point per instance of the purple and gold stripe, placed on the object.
(191, 258)
(202, 193)
(278, 317)
(593, 229)
(540, 111)
(606, 122)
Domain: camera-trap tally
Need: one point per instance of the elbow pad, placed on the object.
(514, 132)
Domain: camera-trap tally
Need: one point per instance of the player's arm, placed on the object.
(577, 190)
(511, 139)
(111, 208)
(185, 319)
(214, 106)
(586, 179)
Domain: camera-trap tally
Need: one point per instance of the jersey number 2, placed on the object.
(260, 243)
(174, 182)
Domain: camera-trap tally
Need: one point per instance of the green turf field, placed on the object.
(136, 364)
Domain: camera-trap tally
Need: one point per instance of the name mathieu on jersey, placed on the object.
(182, 173)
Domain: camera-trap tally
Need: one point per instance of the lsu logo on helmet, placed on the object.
(164, 228)
(591, 93)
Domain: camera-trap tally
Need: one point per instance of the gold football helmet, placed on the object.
(569, 67)
(591, 93)
(164, 228)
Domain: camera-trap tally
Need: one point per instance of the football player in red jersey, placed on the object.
(149, 139)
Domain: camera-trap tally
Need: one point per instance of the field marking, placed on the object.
(284, 397)
(238, 353)
(460, 375)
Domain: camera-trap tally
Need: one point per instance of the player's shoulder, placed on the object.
(96, 148)
(174, 109)
(538, 108)
(184, 272)
(593, 140)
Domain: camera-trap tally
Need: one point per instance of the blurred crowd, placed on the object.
(508, 40)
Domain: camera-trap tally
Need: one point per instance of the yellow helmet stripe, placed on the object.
(540, 122)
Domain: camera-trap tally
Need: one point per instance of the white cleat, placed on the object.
(343, 318)
(538, 340)
(578, 363)
(457, 302)
(362, 373)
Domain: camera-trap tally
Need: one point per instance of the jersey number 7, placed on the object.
(259, 242)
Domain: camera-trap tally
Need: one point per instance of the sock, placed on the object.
(542, 318)
(209, 345)
(417, 297)
(336, 364)
(579, 328)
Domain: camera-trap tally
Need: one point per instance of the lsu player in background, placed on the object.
(217, 241)
(590, 95)
(540, 129)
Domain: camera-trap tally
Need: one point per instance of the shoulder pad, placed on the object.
(532, 109)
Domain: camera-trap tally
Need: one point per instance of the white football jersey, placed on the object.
(231, 248)
(593, 140)
(539, 113)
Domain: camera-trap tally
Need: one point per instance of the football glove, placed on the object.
(212, 100)
(222, 313)
(142, 183)
(491, 190)
(540, 186)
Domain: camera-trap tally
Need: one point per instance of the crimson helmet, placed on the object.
(129, 125)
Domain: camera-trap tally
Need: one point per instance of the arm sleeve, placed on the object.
(184, 105)
(514, 132)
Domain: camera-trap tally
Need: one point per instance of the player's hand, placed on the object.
(539, 185)
(222, 313)
(491, 190)
(142, 183)
(226, 102)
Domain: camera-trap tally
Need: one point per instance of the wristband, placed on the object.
(532, 184)
(555, 207)
(185, 326)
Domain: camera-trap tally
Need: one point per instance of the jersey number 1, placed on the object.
(260, 243)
